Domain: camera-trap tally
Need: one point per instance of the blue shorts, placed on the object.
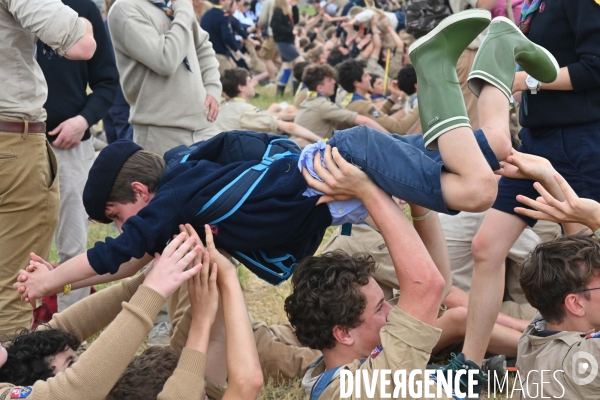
(287, 51)
(574, 152)
(401, 165)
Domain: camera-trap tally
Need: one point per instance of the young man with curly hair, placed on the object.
(337, 307)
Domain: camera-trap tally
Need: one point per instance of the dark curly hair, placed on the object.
(145, 375)
(350, 71)
(407, 79)
(27, 351)
(557, 268)
(326, 293)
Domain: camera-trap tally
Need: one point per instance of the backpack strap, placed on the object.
(229, 199)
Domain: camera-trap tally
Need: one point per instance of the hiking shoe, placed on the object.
(503, 46)
(159, 336)
(434, 57)
(458, 363)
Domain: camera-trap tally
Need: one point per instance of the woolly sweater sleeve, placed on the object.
(583, 17)
(94, 313)
(99, 368)
(187, 381)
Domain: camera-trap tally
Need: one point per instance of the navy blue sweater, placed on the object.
(282, 26)
(68, 79)
(218, 26)
(275, 216)
(570, 30)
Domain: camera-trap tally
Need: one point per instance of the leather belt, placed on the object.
(22, 127)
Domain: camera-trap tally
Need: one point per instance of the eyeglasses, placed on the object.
(585, 290)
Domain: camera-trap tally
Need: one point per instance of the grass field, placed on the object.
(264, 302)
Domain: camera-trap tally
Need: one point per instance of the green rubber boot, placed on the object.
(504, 45)
(434, 57)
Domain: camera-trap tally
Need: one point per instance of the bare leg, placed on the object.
(490, 246)
(492, 109)
(271, 69)
(470, 186)
(453, 325)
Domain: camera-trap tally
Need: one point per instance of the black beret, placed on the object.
(102, 177)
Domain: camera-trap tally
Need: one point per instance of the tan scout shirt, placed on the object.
(393, 125)
(407, 343)
(24, 89)
(321, 116)
(240, 115)
(562, 352)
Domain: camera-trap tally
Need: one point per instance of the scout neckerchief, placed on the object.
(530, 7)
(378, 96)
(303, 86)
(313, 95)
(167, 8)
(350, 97)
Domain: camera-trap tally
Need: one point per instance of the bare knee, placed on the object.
(482, 191)
(483, 250)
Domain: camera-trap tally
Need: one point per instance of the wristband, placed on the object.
(67, 289)
(422, 217)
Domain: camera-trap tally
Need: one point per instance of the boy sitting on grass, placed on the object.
(282, 216)
(239, 114)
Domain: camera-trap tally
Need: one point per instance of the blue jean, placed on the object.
(401, 165)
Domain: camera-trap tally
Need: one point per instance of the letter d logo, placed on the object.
(584, 363)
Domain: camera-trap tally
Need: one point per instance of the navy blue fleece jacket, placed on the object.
(570, 30)
(275, 216)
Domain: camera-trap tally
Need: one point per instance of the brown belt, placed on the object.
(23, 127)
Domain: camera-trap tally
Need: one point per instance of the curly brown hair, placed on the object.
(557, 268)
(145, 375)
(326, 293)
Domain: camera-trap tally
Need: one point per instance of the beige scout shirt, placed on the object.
(407, 343)
(321, 116)
(22, 22)
(393, 125)
(150, 49)
(241, 115)
(562, 352)
(300, 96)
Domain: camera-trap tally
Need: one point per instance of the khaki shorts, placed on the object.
(268, 50)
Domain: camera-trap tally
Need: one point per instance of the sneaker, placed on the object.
(458, 363)
(159, 336)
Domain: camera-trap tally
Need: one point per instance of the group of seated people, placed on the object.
(386, 292)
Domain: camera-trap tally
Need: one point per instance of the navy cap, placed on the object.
(102, 177)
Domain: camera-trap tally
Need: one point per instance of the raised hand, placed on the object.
(572, 209)
(169, 270)
(341, 180)
(225, 266)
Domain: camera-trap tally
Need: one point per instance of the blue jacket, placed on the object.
(275, 218)
(570, 31)
(217, 24)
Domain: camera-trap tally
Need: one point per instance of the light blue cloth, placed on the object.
(351, 211)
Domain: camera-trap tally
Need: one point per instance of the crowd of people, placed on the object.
(451, 142)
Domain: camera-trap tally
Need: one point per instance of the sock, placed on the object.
(285, 77)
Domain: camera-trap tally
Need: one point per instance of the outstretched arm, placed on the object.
(421, 282)
(243, 366)
(297, 130)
